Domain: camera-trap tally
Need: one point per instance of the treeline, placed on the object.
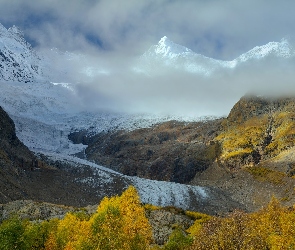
(120, 223)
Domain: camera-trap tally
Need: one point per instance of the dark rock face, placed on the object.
(12, 151)
(172, 151)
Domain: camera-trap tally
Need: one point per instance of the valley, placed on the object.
(61, 153)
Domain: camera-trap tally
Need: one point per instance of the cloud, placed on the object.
(111, 33)
(176, 92)
(221, 29)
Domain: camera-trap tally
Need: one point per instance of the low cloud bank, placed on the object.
(116, 86)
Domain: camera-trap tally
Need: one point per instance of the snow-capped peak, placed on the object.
(279, 49)
(169, 54)
(2, 29)
(19, 62)
(16, 30)
(167, 48)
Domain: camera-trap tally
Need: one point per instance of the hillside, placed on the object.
(249, 154)
(24, 176)
(170, 151)
(259, 130)
(66, 180)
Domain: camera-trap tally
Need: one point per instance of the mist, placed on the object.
(108, 37)
(115, 85)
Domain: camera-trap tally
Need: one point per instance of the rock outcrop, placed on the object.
(12, 151)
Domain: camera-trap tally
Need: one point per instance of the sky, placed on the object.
(115, 31)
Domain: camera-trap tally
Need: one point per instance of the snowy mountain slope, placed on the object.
(168, 54)
(18, 61)
(173, 55)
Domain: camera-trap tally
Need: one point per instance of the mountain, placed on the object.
(21, 63)
(18, 61)
(185, 160)
(249, 155)
(282, 49)
(71, 181)
(167, 54)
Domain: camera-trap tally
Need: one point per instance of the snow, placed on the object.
(64, 84)
(168, 54)
(280, 49)
(166, 47)
(19, 62)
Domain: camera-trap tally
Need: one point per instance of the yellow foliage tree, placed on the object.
(273, 228)
(71, 233)
(120, 222)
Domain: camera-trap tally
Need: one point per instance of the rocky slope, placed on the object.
(249, 154)
(171, 151)
(68, 181)
(257, 155)
(258, 129)
(12, 151)
(23, 176)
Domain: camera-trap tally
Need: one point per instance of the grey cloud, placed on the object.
(219, 29)
(184, 94)
(222, 29)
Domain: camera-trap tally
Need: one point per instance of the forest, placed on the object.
(120, 222)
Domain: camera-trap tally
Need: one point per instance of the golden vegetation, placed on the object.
(270, 134)
(241, 140)
(284, 135)
(272, 227)
(265, 174)
(199, 219)
(120, 223)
